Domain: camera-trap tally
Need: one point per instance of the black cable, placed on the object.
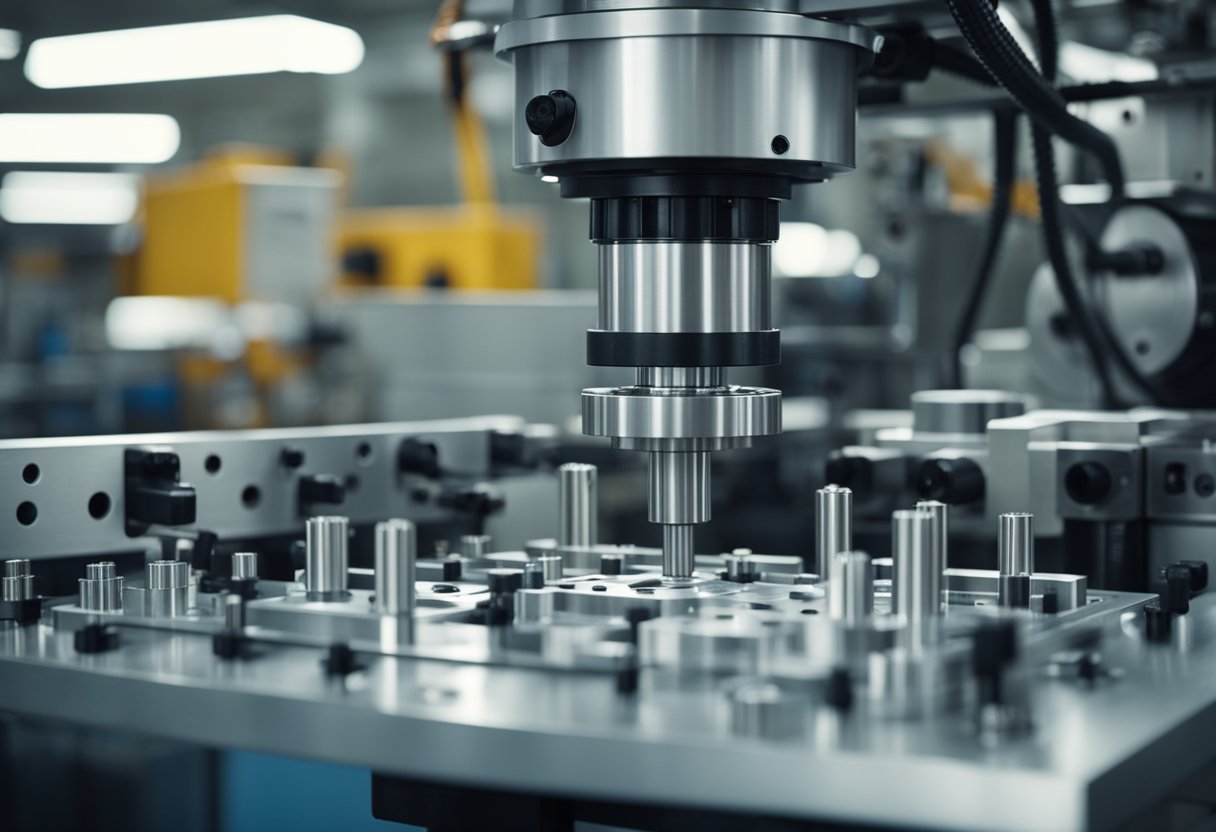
(1001, 55)
(1003, 58)
(1097, 336)
(1005, 142)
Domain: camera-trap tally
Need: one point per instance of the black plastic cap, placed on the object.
(95, 638)
(955, 481)
(1088, 483)
(551, 117)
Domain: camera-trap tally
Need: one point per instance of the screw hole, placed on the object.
(363, 453)
(212, 463)
(352, 483)
(99, 505)
(27, 513)
(251, 496)
(31, 473)
(1142, 348)
(780, 145)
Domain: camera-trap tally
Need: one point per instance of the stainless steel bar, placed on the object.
(833, 525)
(327, 557)
(578, 504)
(1015, 544)
(917, 590)
(678, 552)
(396, 556)
(851, 587)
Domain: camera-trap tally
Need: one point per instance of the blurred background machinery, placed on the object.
(303, 217)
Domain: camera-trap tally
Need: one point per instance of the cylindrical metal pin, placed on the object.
(679, 556)
(396, 555)
(475, 545)
(168, 588)
(101, 588)
(850, 587)
(833, 525)
(917, 590)
(577, 505)
(679, 487)
(17, 584)
(234, 612)
(939, 534)
(553, 567)
(1015, 544)
(244, 565)
(327, 541)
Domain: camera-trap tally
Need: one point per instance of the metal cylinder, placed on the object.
(681, 376)
(168, 588)
(396, 554)
(168, 574)
(850, 587)
(577, 505)
(553, 567)
(1013, 591)
(326, 557)
(244, 566)
(679, 556)
(533, 606)
(684, 287)
(679, 487)
(234, 612)
(962, 411)
(917, 590)
(101, 588)
(939, 534)
(1015, 544)
(475, 545)
(833, 525)
(183, 549)
(18, 581)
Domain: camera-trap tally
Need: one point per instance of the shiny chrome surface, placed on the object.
(679, 487)
(17, 583)
(475, 545)
(396, 554)
(917, 582)
(101, 588)
(939, 531)
(691, 84)
(715, 413)
(681, 377)
(850, 587)
(244, 565)
(327, 541)
(1015, 543)
(684, 287)
(168, 589)
(679, 551)
(833, 525)
(578, 505)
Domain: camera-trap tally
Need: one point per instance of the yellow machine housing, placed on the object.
(458, 247)
(233, 229)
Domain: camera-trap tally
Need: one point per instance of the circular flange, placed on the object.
(651, 22)
(719, 412)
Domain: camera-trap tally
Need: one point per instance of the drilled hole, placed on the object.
(251, 496)
(27, 513)
(363, 453)
(780, 145)
(99, 505)
(31, 473)
(352, 483)
(212, 463)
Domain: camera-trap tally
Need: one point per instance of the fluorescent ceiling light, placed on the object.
(88, 138)
(244, 46)
(68, 198)
(10, 44)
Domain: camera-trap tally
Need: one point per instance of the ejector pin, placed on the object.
(833, 525)
(577, 506)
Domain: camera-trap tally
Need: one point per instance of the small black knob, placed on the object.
(1177, 598)
(503, 580)
(1051, 602)
(418, 456)
(322, 488)
(1199, 574)
(291, 457)
(951, 480)
(551, 117)
(994, 646)
(1157, 623)
(611, 564)
(1088, 483)
(340, 660)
